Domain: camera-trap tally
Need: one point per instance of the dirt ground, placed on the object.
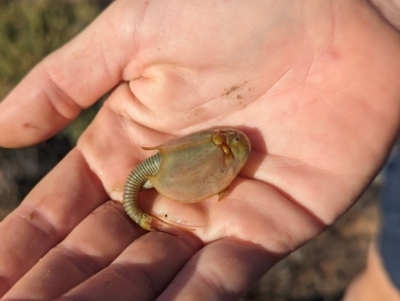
(318, 271)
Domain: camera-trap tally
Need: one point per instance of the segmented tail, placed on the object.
(134, 183)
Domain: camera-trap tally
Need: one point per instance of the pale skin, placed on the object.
(314, 84)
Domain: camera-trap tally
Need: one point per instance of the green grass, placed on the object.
(31, 29)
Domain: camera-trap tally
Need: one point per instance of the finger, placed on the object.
(70, 79)
(90, 247)
(52, 209)
(223, 270)
(141, 272)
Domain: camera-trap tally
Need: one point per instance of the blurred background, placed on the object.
(30, 29)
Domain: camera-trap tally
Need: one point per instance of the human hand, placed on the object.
(312, 84)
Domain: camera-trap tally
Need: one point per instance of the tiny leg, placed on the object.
(223, 193)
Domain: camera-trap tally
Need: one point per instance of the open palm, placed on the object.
(313, 85)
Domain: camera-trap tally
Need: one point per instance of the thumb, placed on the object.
(70, 79)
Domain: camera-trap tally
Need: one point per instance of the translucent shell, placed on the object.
(188, 169)
(200, 165)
